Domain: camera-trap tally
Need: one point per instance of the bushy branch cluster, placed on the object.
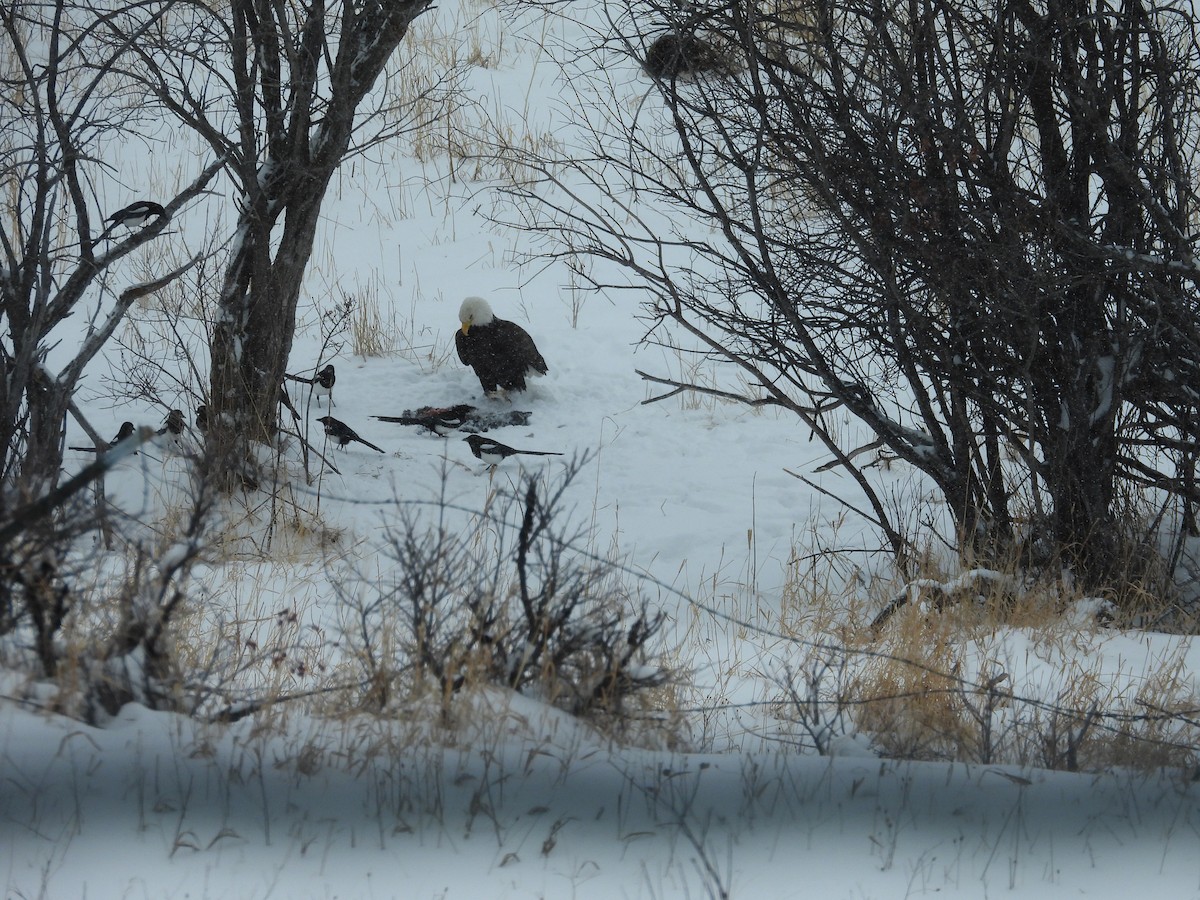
(103, 642)
(968, 224)
(510, 603)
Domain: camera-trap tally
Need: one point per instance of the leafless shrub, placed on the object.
(99, 641)
(509, 603)
(815, 702)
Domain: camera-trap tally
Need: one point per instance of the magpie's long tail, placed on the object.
(403, 420)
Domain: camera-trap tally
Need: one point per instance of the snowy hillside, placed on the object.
(694, 500)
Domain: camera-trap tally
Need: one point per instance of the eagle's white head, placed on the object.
(475, 311)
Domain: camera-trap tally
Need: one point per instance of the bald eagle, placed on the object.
(502, 353)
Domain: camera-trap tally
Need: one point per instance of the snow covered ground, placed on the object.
(692, 496)
(534, 806)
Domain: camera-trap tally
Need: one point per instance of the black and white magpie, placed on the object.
(136, 214)
(342, 433)
(171, 436)
(322, 383)
(493, 452)
(441, 420)
(125, 431)
(174, 423)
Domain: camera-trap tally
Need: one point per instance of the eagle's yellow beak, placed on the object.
(465, 326)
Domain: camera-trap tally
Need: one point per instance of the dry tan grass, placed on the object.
(373, 331)
(908, 697)
(479, 138)
(1001, 670)
(943, 689)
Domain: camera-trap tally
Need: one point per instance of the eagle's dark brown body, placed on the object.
(501, 352)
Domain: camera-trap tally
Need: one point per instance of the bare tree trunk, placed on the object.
(284, 159)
